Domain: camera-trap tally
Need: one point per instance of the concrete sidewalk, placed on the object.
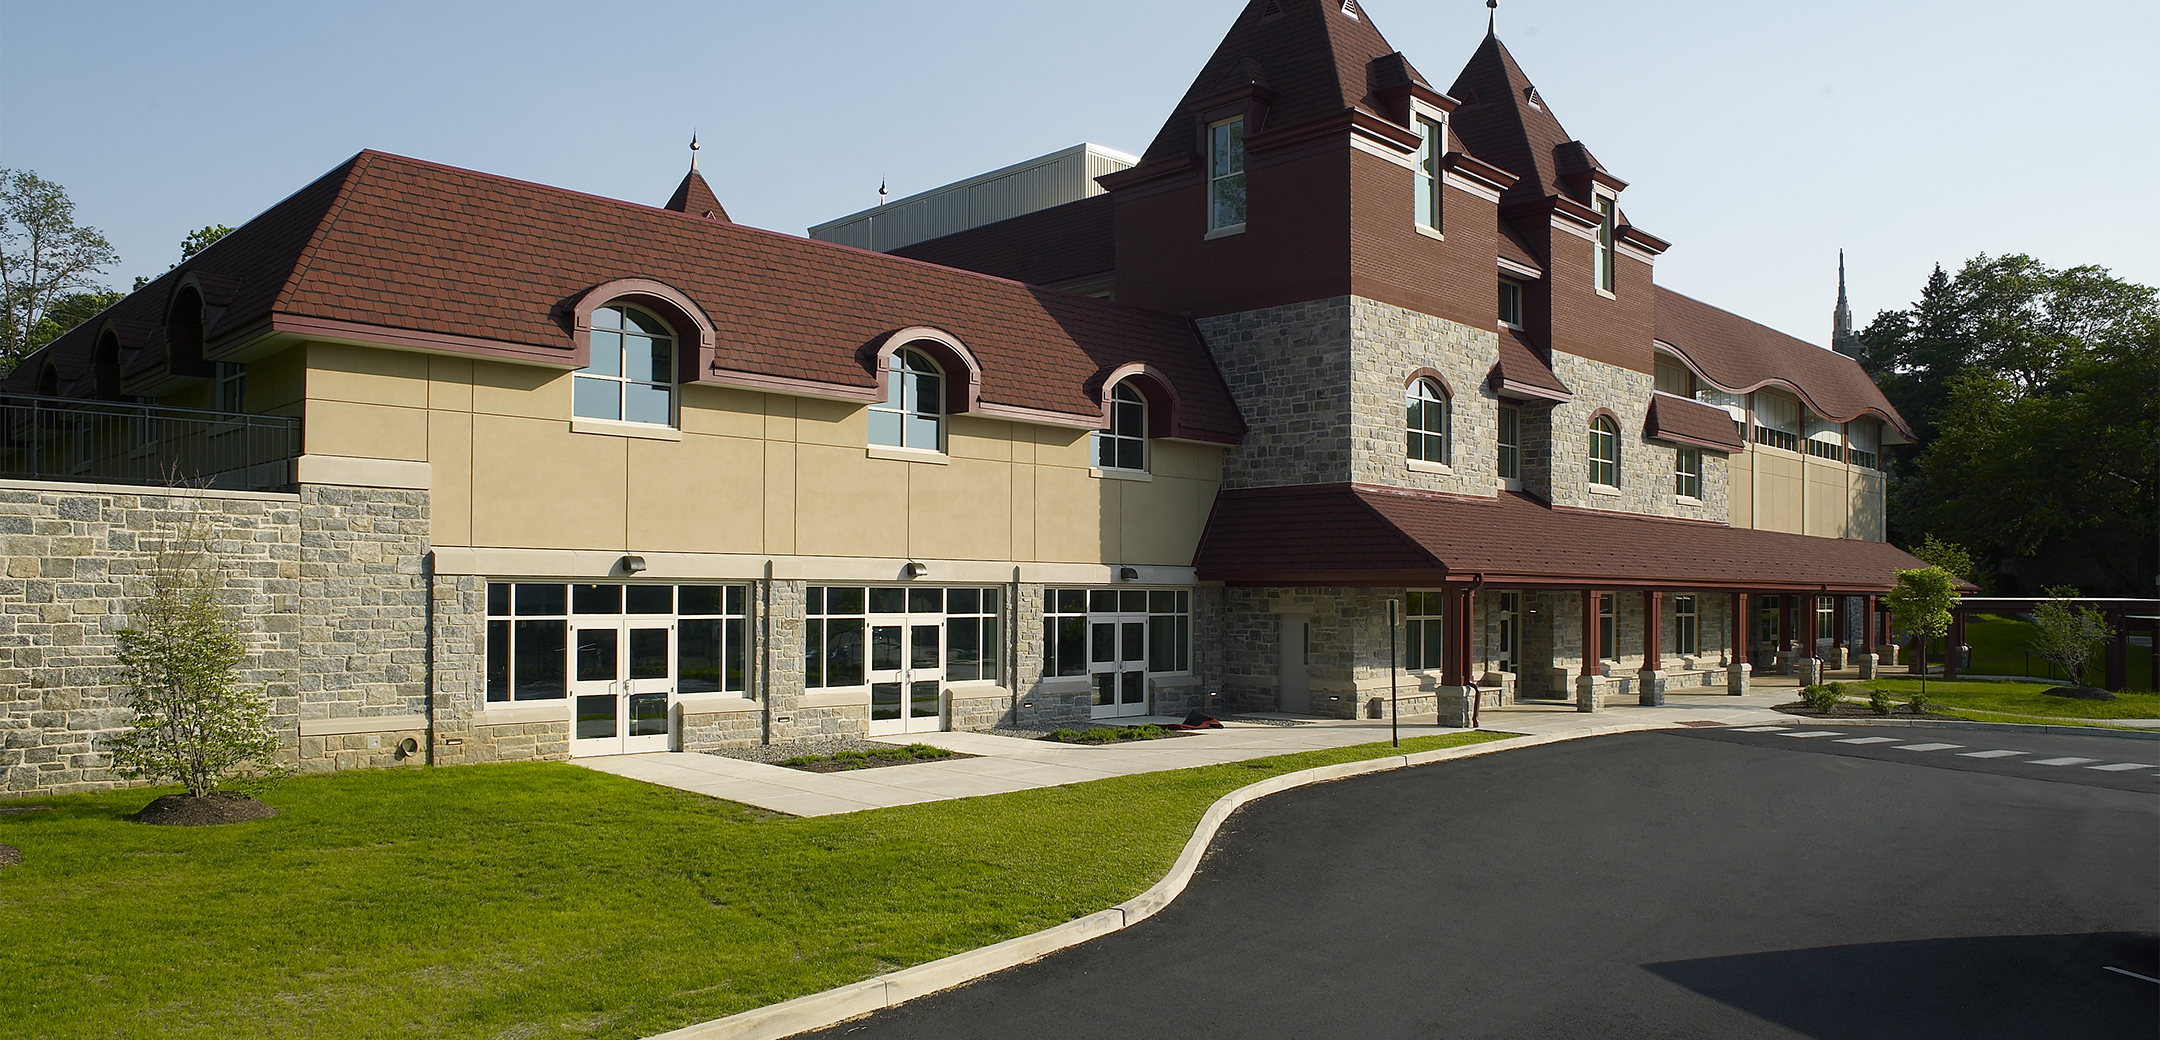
(1012, 764)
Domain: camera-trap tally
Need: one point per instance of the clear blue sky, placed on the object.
(1759, 138)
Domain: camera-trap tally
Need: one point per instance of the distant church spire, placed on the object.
(1842, 339)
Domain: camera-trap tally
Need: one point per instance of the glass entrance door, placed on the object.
(907, 660)
(622, 681)
(1509, 615)
(1117, 660)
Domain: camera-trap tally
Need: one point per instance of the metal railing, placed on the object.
(110, 442)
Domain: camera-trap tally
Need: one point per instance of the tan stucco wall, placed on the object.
(751, 474)
(1775, 490)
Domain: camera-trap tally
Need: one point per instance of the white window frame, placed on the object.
(1602, 428)
(1128, 428)
(898, 385)
(1511, 287)
(1425, 631)
(1509, 455)
(1426, 177)
(622, 382)
(1687, 473)
(1226, 164)
(1418, 400)
(1687, 626)
(1606, 251)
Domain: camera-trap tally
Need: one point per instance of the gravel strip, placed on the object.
(774, 754)
(1258, 721)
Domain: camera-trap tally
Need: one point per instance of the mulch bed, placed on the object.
(213, 809)
(10, 856)
(2079, 693)
(1860, 712)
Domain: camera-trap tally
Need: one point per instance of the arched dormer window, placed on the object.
(48, 381)
(630, 375)
(105, 367)
(1124, 444)
(1431, 420)
(912, 415)
(1604, 453)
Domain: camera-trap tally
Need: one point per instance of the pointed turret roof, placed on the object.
(1505, 122)
(1315, 56)
(695, 197)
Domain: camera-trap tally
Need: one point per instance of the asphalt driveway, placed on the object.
(1703, 883)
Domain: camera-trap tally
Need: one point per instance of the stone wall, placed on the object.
(1391, 344)
(1646, 466)
(1289, 370)
(363, 621)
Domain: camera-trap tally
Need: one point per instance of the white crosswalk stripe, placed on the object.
(1869, 740)
(2063, 761)
(1928, 747)
(1763, 729)
(2121, 767)
(1990, 754)
(1812, 733)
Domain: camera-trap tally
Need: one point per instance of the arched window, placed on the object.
(630, 376)
(1431, 418)
(48, 382)
(1124, 444)
(913, 412)
(1604, 453)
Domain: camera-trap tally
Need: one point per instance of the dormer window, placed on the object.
(630, 373)
(913, 412)
(1607, 230)
(1511, 304)
(1226, 175)
(1432, 145)
(1124, 445)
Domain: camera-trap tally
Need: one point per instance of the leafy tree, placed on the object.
(199, 240)
(44, 258)
(1921, 604)
(68, 312)
(1949, 556)
(195, 725)
(2069, 634)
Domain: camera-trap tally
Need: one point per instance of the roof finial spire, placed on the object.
(1492, 17)
(882, 191)
(693, 149)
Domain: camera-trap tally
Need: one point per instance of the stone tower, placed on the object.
(1842, 339)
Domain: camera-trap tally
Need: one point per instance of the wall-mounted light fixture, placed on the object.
(915, 570)
(633, 564)
(1128, 574)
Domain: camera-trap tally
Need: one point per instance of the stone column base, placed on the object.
(1809, 670)
(1589, 693)
(1651, 691)
(1453, 704)
(1866, 664)
(1889, 656)
(1840, 657)
(1736, 679)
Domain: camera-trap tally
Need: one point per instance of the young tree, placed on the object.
(2069, 634)
(1921, 603)
(195, 725)
(44, 257)
(1949, 556)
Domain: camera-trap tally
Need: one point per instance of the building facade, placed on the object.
(501, 471)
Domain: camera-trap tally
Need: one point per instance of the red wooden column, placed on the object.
(1739, 627)
(1784, 623)
(1957, 639)
(2118, 652)
(1837, 622)
(1653, 630)
(1590, 649)
(1867, 624)
(1451, 654)
(1460, 656)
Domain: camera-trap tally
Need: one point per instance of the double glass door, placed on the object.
(907, 660)
(1509, 616)
(1117, 661)
(621, 684)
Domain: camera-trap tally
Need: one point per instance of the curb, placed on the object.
(2027, 727)
(834, 1006)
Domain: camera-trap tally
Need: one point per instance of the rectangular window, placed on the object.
(833, 623)
(1511, 304)
(1425, 628)
(1608, 627)
(1607, 230)
(1825, 617)
(1156, 626)
(1866, 440)
(1675, 379)
(528, 633)
(1684, 626)
(1777, 422)
(231, 387)
(971, 634)
(1510, 442)
(1687, 473)
(1432, 145)
(1226, 174)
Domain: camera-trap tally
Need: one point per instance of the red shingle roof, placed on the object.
(695, 197)
(1354, 534)
(1740, 356)
(415, 247)
(1674, 418)
(1522, 371)
(1498, 123)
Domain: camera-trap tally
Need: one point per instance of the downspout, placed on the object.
(1477, 701)
(1012, 644)
(764, 630)
(427, 656)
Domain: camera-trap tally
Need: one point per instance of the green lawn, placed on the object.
(2016, 701)
(2000, 646)
(545, 900)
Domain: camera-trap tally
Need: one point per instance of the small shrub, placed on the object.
(1823, 698)
(1918, 704)
(1838, 688)
(891, 753)
(925, 751)
(801, 760)
(1881, 702)
(852, 756)
(1066, 736)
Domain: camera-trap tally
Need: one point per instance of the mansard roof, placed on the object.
(1315, 57)
(1740, 356)
(386, 249)
(1503, 122)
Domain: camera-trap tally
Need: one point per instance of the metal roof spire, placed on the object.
(693, 149)
(1492, 18)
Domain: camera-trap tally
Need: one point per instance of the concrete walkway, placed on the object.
(1012, 764)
